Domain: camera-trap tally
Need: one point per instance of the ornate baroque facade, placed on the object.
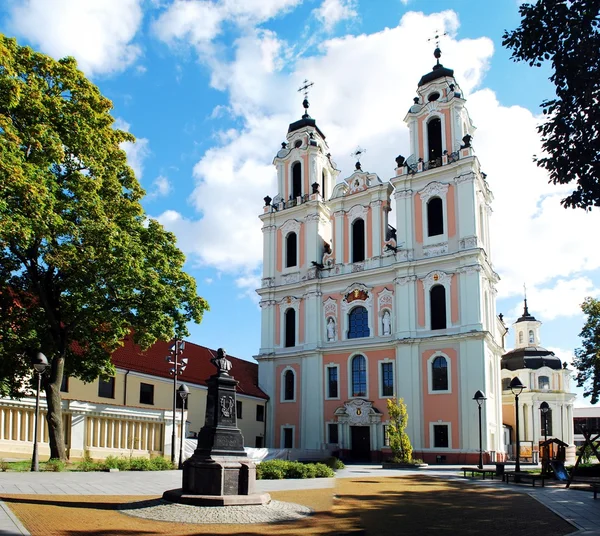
(361, 303)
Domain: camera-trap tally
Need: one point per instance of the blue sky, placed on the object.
(209, 87)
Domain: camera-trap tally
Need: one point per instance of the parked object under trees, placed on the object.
(81, 264)
(566, 33)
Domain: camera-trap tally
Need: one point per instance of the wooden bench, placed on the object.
(476, 470)
(517, 476)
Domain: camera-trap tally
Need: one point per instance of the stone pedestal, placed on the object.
(219, 473)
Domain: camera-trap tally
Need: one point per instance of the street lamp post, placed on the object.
(517, 388)
(183, 393)
(179, 363)
(40, 364)
(545, 408)
(480, 398)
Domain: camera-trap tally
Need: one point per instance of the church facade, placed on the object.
(381, 289)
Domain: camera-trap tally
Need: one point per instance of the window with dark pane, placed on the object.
(64, 384)
(439, 374)
(259, 442)
(437, 307)
(434, 138)
(435, 217)
(106, 387)
(358, 323)
(146, 393)
(505, 384)
(333, 432)
(359, 376)
(544, 382)
(387, 379)
(238, 409)
(547, 419)
(260, 413)
(291, 243)
(288, 379)
(296, 180)
(288, 438)
(290, 328)
(358, 240)
(440, 436)
(332, 382)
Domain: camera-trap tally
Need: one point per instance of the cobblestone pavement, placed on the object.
(577, 507)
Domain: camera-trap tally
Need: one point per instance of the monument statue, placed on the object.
(387, 323)
(331, 329)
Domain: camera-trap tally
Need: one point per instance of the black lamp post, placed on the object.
(176, 349)
(183, 393)
(517, 388)
(40, 364)
(545, 408)
(479, 398)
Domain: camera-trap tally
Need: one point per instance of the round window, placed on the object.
(433, 96)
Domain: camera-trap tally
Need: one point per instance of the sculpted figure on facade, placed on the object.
(331, 329)
(386, 322)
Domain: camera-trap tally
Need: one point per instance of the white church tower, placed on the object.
(361, 304)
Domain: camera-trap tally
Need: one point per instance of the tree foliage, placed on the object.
(399, 440)
(81, 265)
(587, 358)
(566, 32)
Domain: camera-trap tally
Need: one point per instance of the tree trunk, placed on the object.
(56, 434)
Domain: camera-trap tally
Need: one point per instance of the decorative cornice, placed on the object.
(433, 189)
(291, 226)
(437, 277)
(357, 211)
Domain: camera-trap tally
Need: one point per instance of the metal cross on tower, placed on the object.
(306, 85)
(358, 152)
(437, 52)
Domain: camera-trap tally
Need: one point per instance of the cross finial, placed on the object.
(524, 291)
(437, 52)
(306, 85)
(358, 152)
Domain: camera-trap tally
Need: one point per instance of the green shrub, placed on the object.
(88, 465)
(296, 470)
(123, 464)
(334, 463)
(54, 465)
(269, 471)
(160, 463)
(3, 465)
(323, 471)
(140, 464)
(111, 462)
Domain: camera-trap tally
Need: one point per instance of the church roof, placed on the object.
(198, 370)
(438, 71)
(306, 121)
(530, 357)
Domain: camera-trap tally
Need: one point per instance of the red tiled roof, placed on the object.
(199, 367)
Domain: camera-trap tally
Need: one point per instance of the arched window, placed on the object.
(543, 382)
(435, 217)
(531, 337)
(290, 328)
(439, 374)
(437, 306)
(505, 384)
(288, 385)
(359, 376)
(291, 242)
(520, 337)
(296, 180)
(358, 240)
(434, 138)
(358, 323)
(547, 423)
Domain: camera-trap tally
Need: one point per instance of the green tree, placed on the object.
(399, 440)
(587, 358)
(81, 264)
(566, 33)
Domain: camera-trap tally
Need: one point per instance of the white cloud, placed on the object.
(136, 151)
(161, 187)
(98, 33)
(330, 12)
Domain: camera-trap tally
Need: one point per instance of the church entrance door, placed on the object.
(361, 443)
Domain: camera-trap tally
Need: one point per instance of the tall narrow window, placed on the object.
(434, 138)
(358, 240)
(359, 376)
(531, 337)
(358, 323)
(146, 393)
(439, 374)
(332, 382)
(289, 387)
(106, 387)
(437, 306)
(547, 421)
(296, 180)
(323, 184)
(290, 328)
(291, 243)
(64, 384)
(520, 337)
(332, 432)
(238, 409)
(288, 438)
(387, 379)
(260, 413)
(435, 217)
(440, 436)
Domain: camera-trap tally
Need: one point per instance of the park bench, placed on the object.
(476, 470)
(518, 476)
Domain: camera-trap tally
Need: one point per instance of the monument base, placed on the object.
(180, 496)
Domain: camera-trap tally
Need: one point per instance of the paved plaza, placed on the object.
(575, 506)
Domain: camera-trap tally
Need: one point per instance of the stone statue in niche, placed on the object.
(386, 321)
(331, 329)
(221, 362)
